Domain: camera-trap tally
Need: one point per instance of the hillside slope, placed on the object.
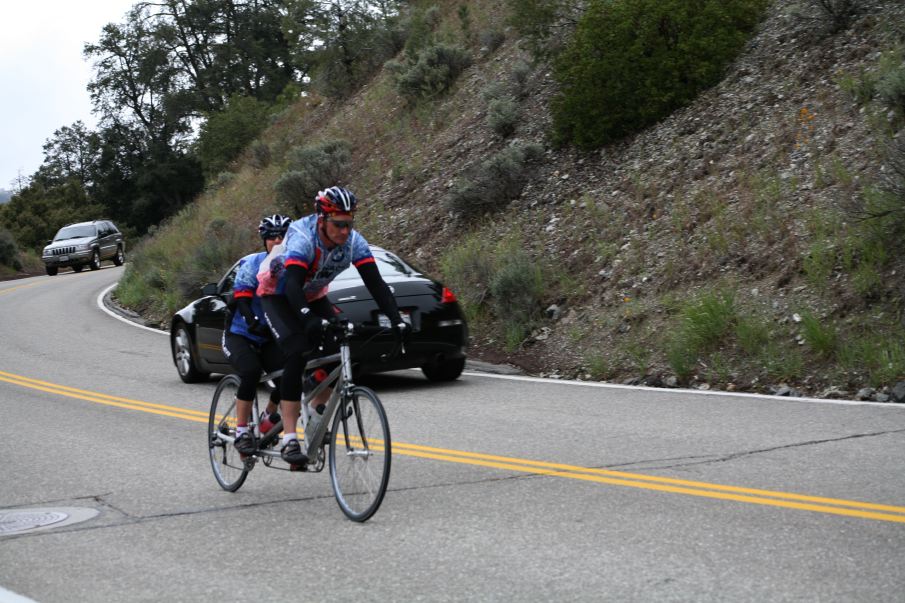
(729, 198)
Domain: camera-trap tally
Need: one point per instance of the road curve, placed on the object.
(502, 488)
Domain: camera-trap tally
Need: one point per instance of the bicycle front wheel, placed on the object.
(360, 454)
(229, 468)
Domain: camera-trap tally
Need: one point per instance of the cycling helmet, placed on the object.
(274, 226)
(335, 200)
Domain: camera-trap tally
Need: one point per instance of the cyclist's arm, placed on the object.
(243, 305)
(295, 283)
(379, 290)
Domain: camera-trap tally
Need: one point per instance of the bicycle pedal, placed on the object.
(299, 467)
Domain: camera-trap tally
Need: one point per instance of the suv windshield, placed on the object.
(77, 231)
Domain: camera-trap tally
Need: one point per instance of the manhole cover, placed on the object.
(27, 520)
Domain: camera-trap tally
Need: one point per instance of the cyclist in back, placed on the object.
(247, 342)
(294, 296)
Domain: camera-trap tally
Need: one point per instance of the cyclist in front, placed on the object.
(247, 342)
(318, 248)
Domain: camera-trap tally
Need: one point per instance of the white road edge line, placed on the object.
(667, 390)
(7, 596)
(634, 388)
(100, 304)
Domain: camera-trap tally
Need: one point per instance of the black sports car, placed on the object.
(437, 344)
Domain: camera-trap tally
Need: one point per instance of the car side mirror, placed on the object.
(49, 242)
(209, 289)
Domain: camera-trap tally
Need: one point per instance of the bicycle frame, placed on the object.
(359, 449)
(340, 378)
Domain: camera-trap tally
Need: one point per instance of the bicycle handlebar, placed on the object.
(344, 329)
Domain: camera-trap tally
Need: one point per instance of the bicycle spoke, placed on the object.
(229, 469)
(360, 455)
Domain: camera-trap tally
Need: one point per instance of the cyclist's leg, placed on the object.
(243, 357)
(323, 308)
(272, 360)
(288, 332)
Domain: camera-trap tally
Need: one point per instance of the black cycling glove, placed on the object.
(402, 330)
(256, 327)
(313, 328)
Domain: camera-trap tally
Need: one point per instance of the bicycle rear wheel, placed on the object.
(229, 468)
(360, 454)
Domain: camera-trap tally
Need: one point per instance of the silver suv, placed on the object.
(84, 244)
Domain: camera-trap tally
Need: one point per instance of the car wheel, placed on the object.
(444, 370)
(120, 258)
(77, 268)
(184, 359)
(51, 270)
(95, 260)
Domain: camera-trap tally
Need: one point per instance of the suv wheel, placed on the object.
(95, 260)
(77, 268)
(51, 270)
(120, 258)
(443, 370)
(182, 356)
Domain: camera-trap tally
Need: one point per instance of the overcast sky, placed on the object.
(43, 76)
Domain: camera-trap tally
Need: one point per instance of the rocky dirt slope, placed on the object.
(722, 191)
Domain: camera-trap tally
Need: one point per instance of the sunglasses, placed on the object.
(274, 237)
(341, 224)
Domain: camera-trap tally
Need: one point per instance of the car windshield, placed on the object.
(387, 263)
(77, 231)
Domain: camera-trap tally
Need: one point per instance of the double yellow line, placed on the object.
(127, 403)
(26, 286)
(833, 506)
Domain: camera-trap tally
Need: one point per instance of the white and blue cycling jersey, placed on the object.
(245, 285)
(303, 247)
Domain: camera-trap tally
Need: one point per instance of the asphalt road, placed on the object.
(502, 489)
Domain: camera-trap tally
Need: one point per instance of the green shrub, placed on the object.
(502, 116)
(821, 338)
(521, 71)
(490, 40)
(752, 334)
(632, 62)
(260, 155)
(431, 72)
(226, 133)
(420, 26)
(780, 363)
(223, 243)
(819, 262)
(703, 323)
(879, 229)
(493, 91)
(9, 252)
(891, 88)
(861, 87)
(542, 23)
(499, 281)
(832, 15)
(493, 184)
(222, 180)
(464, 269)
(600, 367)
(516, 288)
(311, 169)
(880, 355)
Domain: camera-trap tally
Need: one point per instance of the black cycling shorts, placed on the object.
(288, 329)
(250, 360)
(287, 325)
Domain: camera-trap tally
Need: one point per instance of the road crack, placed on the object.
(713, 458)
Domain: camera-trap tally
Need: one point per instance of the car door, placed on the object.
(210, 316)
(108, 245)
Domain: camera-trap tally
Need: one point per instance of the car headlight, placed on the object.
(83, 247)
